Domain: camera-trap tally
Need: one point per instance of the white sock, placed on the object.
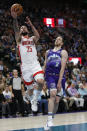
(50, 116)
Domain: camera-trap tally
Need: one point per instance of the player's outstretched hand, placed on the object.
(28, 21)
(14, 14)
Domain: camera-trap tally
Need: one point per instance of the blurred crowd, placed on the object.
(75, 37)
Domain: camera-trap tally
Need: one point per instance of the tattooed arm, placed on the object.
(16, 28)
(36, 34)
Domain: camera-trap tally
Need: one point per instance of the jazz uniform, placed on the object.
(53, 68)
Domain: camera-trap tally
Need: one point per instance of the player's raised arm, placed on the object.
(64, 57)
(36, 34)
(15, 26)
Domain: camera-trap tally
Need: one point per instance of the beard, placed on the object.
(24, 33)
(57, 44)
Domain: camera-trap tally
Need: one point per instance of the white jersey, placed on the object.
(27, 50)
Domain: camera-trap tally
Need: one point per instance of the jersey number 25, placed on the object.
(29, 48)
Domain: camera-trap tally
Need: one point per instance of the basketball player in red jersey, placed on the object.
(30, 66)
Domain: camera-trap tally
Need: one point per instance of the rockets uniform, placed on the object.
(30, 66)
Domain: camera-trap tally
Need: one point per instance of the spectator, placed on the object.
(1, 50)
(2, 81)
(84, 83)
(13, 57)
(67, 84)
(83, 92)
(74, 80)
(27, 97)
(5, 71)
(1, 66)
(2, 102)
(8, 99)
(68, 101)
(76, 70)
(8, 78)
(73, 92)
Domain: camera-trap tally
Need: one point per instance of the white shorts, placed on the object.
(31, 73)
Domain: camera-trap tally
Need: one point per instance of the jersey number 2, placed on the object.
(29, 48)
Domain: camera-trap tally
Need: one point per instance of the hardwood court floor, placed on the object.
(40, 121)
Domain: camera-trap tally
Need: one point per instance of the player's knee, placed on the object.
(40, 84)
(53, 93)
(30, 92)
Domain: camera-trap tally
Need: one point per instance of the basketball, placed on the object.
(17, 8)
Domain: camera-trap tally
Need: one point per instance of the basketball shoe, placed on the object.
(48, 125)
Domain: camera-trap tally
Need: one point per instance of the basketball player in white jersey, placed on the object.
(30, 67)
